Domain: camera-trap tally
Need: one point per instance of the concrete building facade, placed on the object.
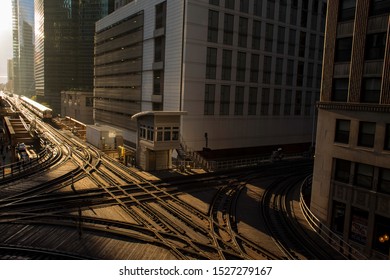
(351, 183)
(247, 72)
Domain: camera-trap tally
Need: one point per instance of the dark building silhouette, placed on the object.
(64, 46)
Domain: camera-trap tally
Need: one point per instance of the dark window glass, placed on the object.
(298, 103)
(252, 103)
(366, 134)
(300, 72)
(229, 4)
(364, 174)
(241, 67)
(161, 14)
(384, 180)
(270, 9)
(359, 226)
(279, 71)
(209, 100)
(264, 101)
(291, 42)
(257, 5)
(254, 75)
(228, 29)
(343, 49)
(244, 6)
(280, 42)
(269, 37)
(212, 32)
(239, 101)
(290, 72)
(214, 2)
(256, 35)
(277, 102)
(342, 131)
(243, 32)
(381, 236)
(267, 69)
(342, 170)
(287, 102)
(338, 217)
(379, 7)
(226, 64)
(387, 137)
(371, 90)
(211, 63)
(340, 90)
(159, 49)
(347, 10)
(302, 44)
(158, 81)
(225, 100)
(282, 10)
(375, 46)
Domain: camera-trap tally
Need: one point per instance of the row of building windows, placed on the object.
(362, 175)
(374, 47)
(370, 89)
(306, 45)
(365, 135)
(159, 134)
(272, 9)
(347, 9)
(273, 103)
(358, 226)
(284, 70)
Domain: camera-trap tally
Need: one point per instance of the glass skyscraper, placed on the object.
(23, 46)
(64, 46)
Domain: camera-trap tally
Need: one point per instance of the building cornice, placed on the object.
(361, 107)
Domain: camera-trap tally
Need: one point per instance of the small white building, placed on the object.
(104, 137)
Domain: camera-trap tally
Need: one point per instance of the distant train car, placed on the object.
(38, 109)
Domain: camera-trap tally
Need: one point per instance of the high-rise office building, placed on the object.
(247, 72)
(351, 183)
(64, 32)
(23, 46)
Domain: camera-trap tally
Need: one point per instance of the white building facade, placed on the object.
(247, 72)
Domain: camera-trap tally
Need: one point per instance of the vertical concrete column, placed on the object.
(329, 50)
(358, 44)
(385, 96)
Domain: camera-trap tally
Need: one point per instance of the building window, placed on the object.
(366, 134)
(340, 90)
(381, 242)
(228, 29)
(214, 2)
(264, 102)
(294, 12)
(243, 32)
(244, 6)
(279, 71)
(371, 90)
(280, 42)
(347, 10)
(291, 42)
(239, 101)
(257, 5)
(343, 49)
(226, 65)
(287, 102)
(225, 100)
(277, 102)
(159, 49)
(342, 170)
(229, 4)
(364, 175)
(212, 32)
(338, 217)
(282, 10)
(89, 102)
(252, 103)
(270, 9)
(304, 13)
(302, 44)
(359, 226)
(298, 103)
(387, 137)
(310, 75)
(384, 180)
(342, 131)
(300, 72)
(211, 63)
(254, 72)
(312, 46)
(209, 100)
(161, 15)
(290, 72)
(158, 80)
(256, 35)
(241, 67)
(375, 46)
(379, 7)
(308, 105)
(269, 37)
(267, 69)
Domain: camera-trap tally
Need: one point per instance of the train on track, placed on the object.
(38, 109)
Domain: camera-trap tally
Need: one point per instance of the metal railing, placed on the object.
(13, 169)
(330, 237)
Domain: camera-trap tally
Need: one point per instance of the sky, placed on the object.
(5, 36)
